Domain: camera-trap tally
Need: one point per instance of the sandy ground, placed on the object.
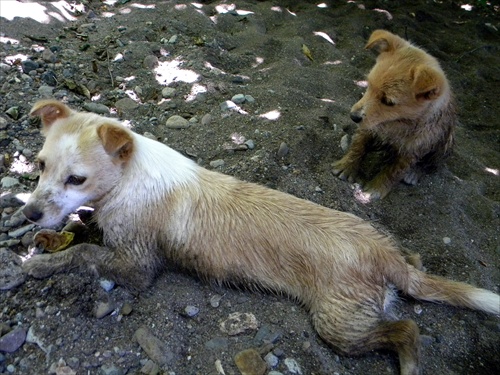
(215, 51)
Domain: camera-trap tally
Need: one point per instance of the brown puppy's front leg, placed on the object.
(390, 175)
(91, 258)
(347, 167)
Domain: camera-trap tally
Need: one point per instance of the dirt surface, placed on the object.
(293, 128)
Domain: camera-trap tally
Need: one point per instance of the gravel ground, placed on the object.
(148, 61)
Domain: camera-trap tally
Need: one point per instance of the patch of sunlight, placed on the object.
(363, 84)
(125, 11)
(170, 71)
(214, 69)
(238, 138)
(180, 7)
(128, 79)
(21, 167)
(11, 60)
(5, 40)
(127, 124)
(23, 197)
(466, 7)
(385, 12)
(322, 5)
(493, 171)
(38, 48)
(276, 9)
(360, 195)
(336, 62)
(271, 115)
(118, 57)
(197, 5)
(107, 14)
(95, 98)
(132, 95)
(292, 13)
(231, 8)
(324, 36)
(110, 2)
(258, 61)
(12, 9)
(195, 90)
(142, 6)
(328, 100)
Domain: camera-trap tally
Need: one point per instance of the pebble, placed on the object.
(274, 373)
(49, 77)
(191, 311)
(218, 344)
(150, 368)
(155, 349)
(446, 240)
(107, 285)
(177, 122)
(104, 308)
(249, 99)
(238, 99)
(292, 366)
(238, 322)
(126, 309)
(125, 105)
(217, 163)
(13, 340)
(168, 92)
(13, 112)
(110, 370)
(150, 62)
(215, 300)
(344, 142)
(11, 272)
(29, 65)
(19, 232)
(271, 360)
(250, 144)
(46, 91)
(206, 119)
(249, 362)
(283, 150)
(98, 108)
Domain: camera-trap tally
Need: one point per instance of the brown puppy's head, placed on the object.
(404, 83)
(81, 160)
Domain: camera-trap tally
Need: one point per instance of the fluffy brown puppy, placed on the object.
(407, 109)
(156, 206)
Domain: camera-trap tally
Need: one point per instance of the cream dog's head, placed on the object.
(81, 160)
(404, 83)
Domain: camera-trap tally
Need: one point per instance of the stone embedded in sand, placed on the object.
(238, 323)
(249, 362)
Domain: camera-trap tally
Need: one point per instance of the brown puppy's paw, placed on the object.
(345, 170)
(374, 191)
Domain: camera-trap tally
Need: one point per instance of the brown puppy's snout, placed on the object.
(32, 213)
(357, 117)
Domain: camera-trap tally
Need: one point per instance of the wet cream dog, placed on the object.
(156, 206)
(407, 109)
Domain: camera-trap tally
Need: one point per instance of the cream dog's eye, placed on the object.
(41, 165)
(75, 180)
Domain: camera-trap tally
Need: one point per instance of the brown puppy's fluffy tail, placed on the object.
(438, 289)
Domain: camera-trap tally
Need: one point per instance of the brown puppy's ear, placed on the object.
(116, 141)
(384, 41)
(427, 83)
(49, 111)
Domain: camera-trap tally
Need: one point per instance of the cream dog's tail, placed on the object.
(438, 289)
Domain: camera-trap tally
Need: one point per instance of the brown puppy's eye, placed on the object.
(386, 101)
(75, 180)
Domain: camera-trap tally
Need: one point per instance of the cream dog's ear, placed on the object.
(116, 141)
(384, 41)
(427, 83)
(49, 111)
